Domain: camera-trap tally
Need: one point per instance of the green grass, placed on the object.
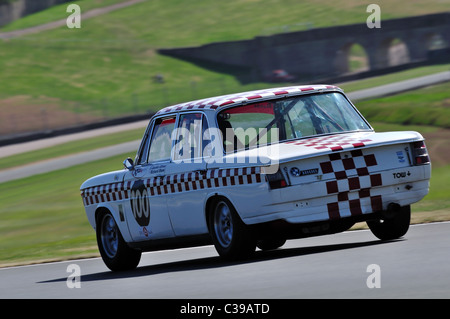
(55, 13)
(230, 20)
(110, 80)
(184, 24)
(389, 127)
(394, 77)
(43, 215)
(439, 196)
(107, 66)
(70, 148)
(427, 106)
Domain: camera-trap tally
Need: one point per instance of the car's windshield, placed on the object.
(289, 118)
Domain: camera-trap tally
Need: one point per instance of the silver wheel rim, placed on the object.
(223, 225)
(109, 236)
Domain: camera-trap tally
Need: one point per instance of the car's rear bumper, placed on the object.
(303, 203)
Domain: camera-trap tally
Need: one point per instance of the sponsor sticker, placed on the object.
(295, 171)
(400, 157)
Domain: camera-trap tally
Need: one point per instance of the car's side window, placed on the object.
(161, 142)
(188, 139)
(193, 137)
(207, 147)
(141, 157)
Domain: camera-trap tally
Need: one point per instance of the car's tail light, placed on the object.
(276, 180)
(420, 153)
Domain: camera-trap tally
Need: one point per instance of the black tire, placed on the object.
(231, 237)
(115, 252)
(270, 244)
(392, 227)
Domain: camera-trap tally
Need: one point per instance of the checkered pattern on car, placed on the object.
(332, 142)
(175, 183)
(105, 193)
(351, 182)
(218, 101)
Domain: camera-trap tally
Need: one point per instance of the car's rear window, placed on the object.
(273, 121)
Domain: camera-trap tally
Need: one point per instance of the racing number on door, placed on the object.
(140, 203)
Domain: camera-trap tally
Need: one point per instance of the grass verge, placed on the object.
(426, 106)
(70, 148)
(43, 216)
(394, 77)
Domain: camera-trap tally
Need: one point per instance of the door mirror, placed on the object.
(129, 164)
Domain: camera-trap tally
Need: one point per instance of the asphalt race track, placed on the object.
(347, 265)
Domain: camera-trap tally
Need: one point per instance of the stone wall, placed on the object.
(10, 11)
(324, 52)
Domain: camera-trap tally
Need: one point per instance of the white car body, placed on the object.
(325, 182)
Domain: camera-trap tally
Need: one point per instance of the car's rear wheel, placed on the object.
(115, 252)
(393, 225)
(231, 237)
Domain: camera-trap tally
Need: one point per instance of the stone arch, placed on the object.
(435, 46)
(435, 41)
(392, 51)
(351, 58)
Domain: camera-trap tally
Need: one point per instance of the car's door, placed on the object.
(147, 214)
(186, 176)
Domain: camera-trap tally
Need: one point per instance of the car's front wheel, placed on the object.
(393, 226)
(231, 237)
(115, 252)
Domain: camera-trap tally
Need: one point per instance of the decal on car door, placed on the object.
(139, 201)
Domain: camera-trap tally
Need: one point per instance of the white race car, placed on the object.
(255, 169)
